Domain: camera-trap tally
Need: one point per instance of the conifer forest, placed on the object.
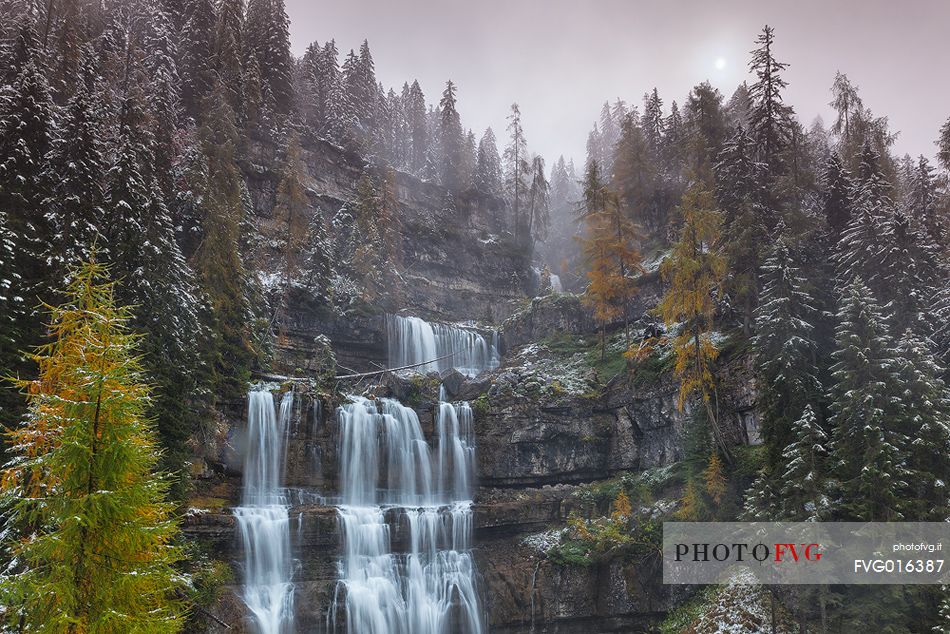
(289, 346)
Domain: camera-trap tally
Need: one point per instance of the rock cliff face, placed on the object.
(536, 447)
(548, 422)
(457, 260)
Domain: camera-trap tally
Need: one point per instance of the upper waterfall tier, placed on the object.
(413, 340)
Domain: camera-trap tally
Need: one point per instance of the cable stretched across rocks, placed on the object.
(357, 375)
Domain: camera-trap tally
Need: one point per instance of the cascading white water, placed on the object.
(413, 340)
(263, 518)
(386, 472)
(556, 286)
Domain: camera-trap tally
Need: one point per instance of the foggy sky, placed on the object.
(560, 59)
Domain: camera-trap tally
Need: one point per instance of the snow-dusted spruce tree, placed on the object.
(925, 421)
(451, 140)
(836, 203)
(516, 168)
(539, 201)
(267, 39)
(87, 527)
(803, 496)
(487, 177)
(652, 123)
(910, 269)
(785, 349)
(319, 266)
(77, 167)
(228, 43)
(196, 55)
(939, 311)
(770, 119)
(866, 408)
(152, 275)
(12, 304)
(861, 244)
(217, 261)
(164, 103)
(923, 202)
(742, 198)
(943, 145)
(27, 131)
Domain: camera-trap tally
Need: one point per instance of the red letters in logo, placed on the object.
(782, 551)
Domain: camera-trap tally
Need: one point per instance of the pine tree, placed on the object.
(704, 129)
(228, 50)
(926, 422)
(762, 502)
(77, 169)
(836, 197)
(923, 204)
(785, 349)
(803, 497)
(674, 140)
(319, 263)
(197, 55)
(217, 261)
(652, 123)
(27, 131)
(737, 108)
(742, 199)
(366, 98)
(909, 270)
(338, 112)
(539, 201)
(943, 146)
(267, 39)
(469, 157)
(450, 140)
(153, 276)
(861, 244)
(695, 271)
(770, 119)
(161, 71)
(635, 175)
(418, 132)
(24, 45)
(95, 533)
(939, 309)
(292, 204)
(402, 139)
(516, 168)
(64, 40)
(12, 311)
(607, 141)
(487, 177)
(846, 102)
(865, 404)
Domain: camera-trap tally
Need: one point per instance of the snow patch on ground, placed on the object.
(545, 541)
(740, 608)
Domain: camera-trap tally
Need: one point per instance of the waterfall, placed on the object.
(414, 340)
(387, 479)
(262, 517)
(556, 286)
